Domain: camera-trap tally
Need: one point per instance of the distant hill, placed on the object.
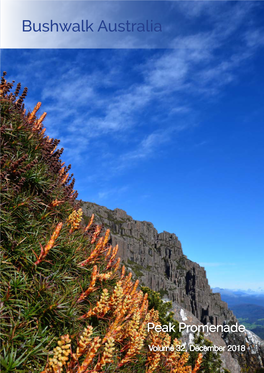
(248, 307)
(252, 316)
(251, 312)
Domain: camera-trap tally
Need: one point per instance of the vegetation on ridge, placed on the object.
(66, 306)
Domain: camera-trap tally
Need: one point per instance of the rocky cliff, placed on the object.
(158, 261)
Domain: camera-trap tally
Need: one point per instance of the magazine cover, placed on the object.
(132, 186)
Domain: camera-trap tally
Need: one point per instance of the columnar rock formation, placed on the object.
(158, 261)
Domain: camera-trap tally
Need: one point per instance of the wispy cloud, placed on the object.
(195, 67)
(148, 145)
(106, 193)
(90, 104)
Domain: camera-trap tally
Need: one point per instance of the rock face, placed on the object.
(158, 262)
(157, 259)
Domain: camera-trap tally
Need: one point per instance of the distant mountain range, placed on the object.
(247, 306)
(239, 292)
(236, 297)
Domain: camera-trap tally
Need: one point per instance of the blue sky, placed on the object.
(172, 136)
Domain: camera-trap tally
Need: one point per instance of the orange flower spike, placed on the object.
(116, 266)
(99, 243)
(117, 295)
(143, 330)
(113, 331)
(43, 131)
(90, 355)
(133, 309)
(115, 250)
(133, 324)
(61, 354)
(123, 272)
(96, 233)
(107, 354)
(127, 279)
(183, 361)
(108, 252)
(94, 276)
(90, 259)
(146, 306)
(141, 304)
(115, 327)
(126, 304)
(106, 237)
(74, 219)
(64, 179)
(154, 361)
(90, 223)
(94, 254)
(134, 288)
(145, 299)
(55, 203)
(38, 123)
(198, 363)
(91, 286)
(104, 276)
(32, 115)
(84, 342)
(135, 346)
(112, 257)
(101, 308)
(53, 150)
(50, 244)
(128, 284)
(61, 171)
(43, 116)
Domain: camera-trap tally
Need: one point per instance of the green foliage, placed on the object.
(163, 292)
(211, 360)
(42, 281)
(38, 302)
